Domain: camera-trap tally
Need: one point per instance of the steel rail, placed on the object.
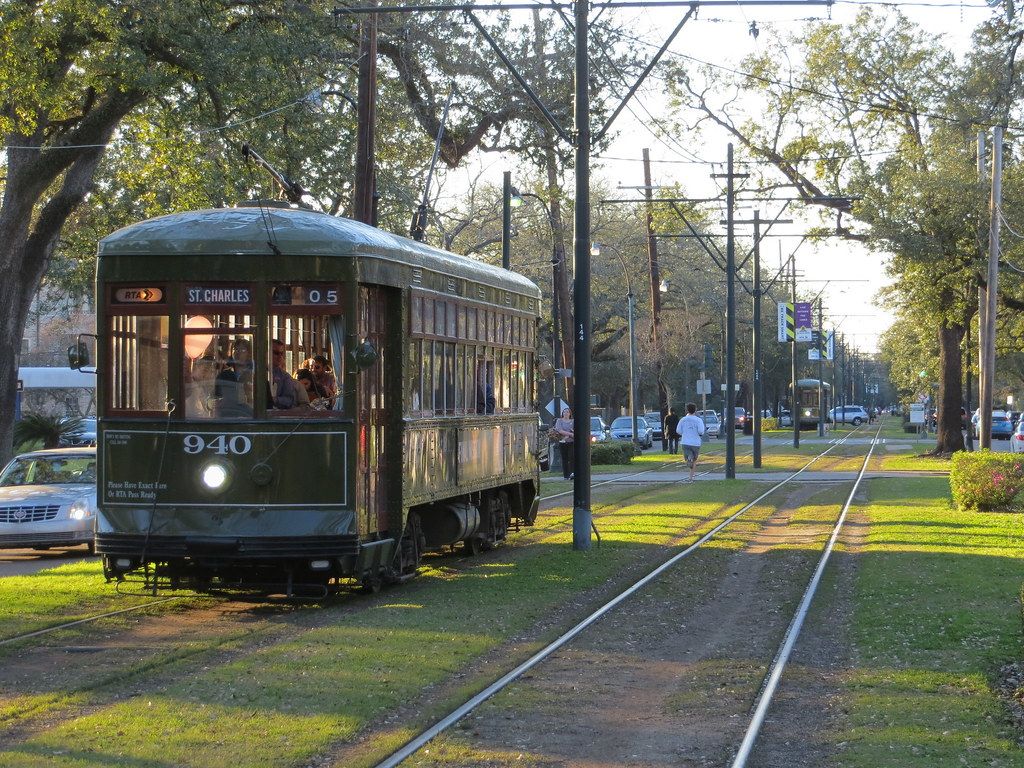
(783, 654)
(47, 630)
(412, 746)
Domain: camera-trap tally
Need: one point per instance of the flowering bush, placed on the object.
(768, 423)
(986, 481)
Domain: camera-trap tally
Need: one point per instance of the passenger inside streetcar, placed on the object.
(286, 392)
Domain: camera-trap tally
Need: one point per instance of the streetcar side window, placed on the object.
(302, 341)
(138, 362)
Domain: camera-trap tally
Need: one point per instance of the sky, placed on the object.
(846, 274)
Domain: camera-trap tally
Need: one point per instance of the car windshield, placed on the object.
(625, 422)
(711, 416)
(49, 470)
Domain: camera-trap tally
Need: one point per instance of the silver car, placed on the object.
(622, 429)
(48, 499)
(712, 424)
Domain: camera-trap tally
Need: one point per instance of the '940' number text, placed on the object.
(221, 444)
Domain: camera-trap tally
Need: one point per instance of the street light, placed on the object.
(595, 251)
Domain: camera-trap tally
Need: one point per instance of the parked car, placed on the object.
(849, 414)
(767, 413)
(1017, 440)
(598, 430)
(785, 418)
(48, 499)
(83, 436)
(622, 429)
(1002, 426)
(712, 424)
(657, 425)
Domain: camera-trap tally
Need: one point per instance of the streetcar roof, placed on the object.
(295, 232)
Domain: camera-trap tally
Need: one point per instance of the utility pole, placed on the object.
(991, 288)
(758, 375)
(506, 220)
(794, 406)
(364, 186)
(821, 385)
(730, 316)
(582, 520)
(652, 259)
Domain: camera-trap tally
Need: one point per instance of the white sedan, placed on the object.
(1017, 438)
(48, 499)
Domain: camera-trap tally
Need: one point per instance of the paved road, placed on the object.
(20, 562)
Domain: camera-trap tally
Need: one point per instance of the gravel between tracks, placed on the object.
(669, 678)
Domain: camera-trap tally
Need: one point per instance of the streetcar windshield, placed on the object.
(218, 351)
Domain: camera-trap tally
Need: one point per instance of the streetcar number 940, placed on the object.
(221, 444)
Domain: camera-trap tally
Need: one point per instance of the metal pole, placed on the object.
(652, 259)
(506, 220)
(794, 402)
(632, 360)
(730, 336)
(758, 377)
(992, 284)
(582, 521)
(982, 297)
(821, 385)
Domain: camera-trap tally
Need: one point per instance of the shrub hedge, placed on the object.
(986, 481)
(768, 423)
(612, 453)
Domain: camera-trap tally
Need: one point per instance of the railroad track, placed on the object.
(775, 670)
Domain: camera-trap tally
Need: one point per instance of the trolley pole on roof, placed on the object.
(582, 520)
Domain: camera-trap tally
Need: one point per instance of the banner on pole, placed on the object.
(822, 346)
(830, 346)
(787, 322)
(804, 327)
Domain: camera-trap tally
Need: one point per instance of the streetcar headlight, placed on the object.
(79, 509)
(214, 476)
(807, 412)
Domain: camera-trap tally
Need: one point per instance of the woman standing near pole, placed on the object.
(564, 430)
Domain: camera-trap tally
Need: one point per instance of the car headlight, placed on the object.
(215, 476)
(79, 509)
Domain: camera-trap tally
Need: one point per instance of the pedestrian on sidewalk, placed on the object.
(564, 430)
(690, 431)
(671, 422)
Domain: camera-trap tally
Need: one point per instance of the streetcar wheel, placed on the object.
(370, 585)
(91, 547)
(471, 546)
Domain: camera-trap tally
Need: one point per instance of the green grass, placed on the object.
(937, 612)
(58, 595)
(283, 702)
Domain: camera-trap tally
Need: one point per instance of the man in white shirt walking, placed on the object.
(690, 430)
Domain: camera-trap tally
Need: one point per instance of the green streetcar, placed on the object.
(219, 466)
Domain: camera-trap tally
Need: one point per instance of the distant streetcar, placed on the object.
(808, 406)
(215, 470)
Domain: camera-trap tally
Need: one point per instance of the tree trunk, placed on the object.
(43, 188)
(950, 438)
